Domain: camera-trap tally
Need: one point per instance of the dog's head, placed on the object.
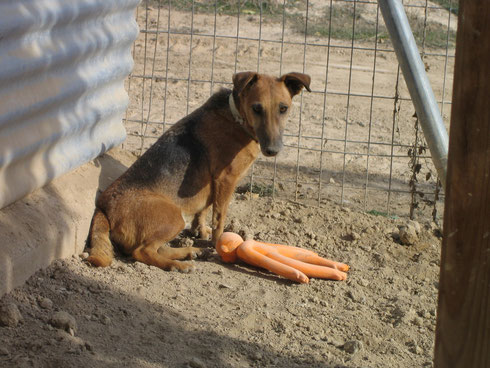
(264, 103)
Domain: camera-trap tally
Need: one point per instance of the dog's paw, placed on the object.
(184, 267)
(195, 252)
(204, 233)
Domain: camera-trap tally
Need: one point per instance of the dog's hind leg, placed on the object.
(101, 250)
(161, 222)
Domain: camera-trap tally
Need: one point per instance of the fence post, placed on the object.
(463, 318)
(417, 82)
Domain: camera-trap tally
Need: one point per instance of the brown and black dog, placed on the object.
(194, 165)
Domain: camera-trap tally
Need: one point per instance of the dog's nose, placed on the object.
(271, 151)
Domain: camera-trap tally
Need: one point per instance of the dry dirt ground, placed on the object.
(74, 315)
(235, 315)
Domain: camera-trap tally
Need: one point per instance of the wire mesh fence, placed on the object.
(354, 139)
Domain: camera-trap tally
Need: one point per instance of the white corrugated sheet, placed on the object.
(62, 98)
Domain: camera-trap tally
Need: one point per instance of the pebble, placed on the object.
(408, 235)
(105, 320)
(363, 282)
(416, 349)
(10, 315)
(64, 321)
(187, 242)
(256, 356)
(352, 346)
(335, 341)
(415, 225)
(354, 236)
(196, 363)
(84, 255)
(417, 321)
(45, 303)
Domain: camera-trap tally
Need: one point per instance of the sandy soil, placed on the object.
(130, 314)
(74, 315)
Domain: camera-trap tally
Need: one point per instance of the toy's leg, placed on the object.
(310, 269)
(307, 256)
(247, 253)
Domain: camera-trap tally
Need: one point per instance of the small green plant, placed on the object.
(380, 213)
(451, 5)
(229, 7)
(337, 22)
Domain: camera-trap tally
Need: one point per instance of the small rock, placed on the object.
(415, 225)
(379, 258)
(187, 242)
(256, 355)
(234, 226)
(88, 346)
(416, 349)
(84, 255)
(417, 321)
(4, 351)
(63, 321)
(335, 341)
(408, 235)
(298, 220)
(352, 346)
(196, 363)
(332, 181)
(105, 320)
(363, 282)
(10, 315)
(45, 303)
(354, 236)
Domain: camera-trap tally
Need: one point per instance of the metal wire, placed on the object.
(324, 109)
(371, 108)
(300, 122)
(349, 84)
(329, 149)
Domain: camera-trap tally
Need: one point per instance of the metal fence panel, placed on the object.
(62, 97)
(353, 140)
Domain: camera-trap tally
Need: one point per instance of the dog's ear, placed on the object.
(295, 82)
(243, 80)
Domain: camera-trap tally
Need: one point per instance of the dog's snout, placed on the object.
(271, 151)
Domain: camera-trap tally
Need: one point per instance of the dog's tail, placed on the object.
(101, 250)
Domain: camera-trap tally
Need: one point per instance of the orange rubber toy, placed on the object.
(293, 263)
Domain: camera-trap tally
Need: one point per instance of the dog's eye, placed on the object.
(283, 109)
(257, 108)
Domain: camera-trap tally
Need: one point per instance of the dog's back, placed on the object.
(181, 163)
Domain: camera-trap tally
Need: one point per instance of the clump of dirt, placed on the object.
(131, 314)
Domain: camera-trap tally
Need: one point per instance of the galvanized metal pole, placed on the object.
(417, 82)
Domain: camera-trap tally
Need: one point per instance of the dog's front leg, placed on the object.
(223, 191)
(199, 227)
